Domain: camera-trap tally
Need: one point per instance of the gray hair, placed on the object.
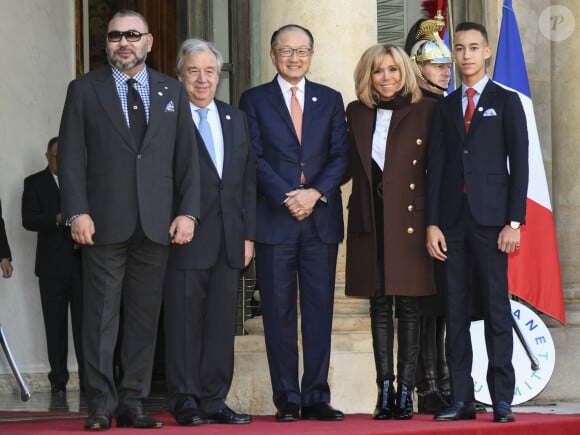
(194, 46)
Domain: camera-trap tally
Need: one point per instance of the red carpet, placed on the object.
(358, 424)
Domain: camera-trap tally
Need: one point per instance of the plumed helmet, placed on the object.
(429, 51)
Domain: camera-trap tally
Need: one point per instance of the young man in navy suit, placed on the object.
(299, 137)
(475, 206)
(201, 282)
(58, 268)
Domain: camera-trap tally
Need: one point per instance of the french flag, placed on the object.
(534, 270)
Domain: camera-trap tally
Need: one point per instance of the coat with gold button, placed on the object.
(408, 267)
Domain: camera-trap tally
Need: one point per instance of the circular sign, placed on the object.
(557, 23)
(533, 370)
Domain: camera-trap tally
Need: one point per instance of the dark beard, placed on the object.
(123, 66)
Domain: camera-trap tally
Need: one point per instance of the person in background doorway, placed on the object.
(58, 267)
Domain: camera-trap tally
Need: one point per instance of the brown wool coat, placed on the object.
(408, 267)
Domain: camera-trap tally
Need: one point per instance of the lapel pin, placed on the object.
(314, 99)
(228, 117)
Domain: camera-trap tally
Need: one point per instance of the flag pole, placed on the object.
(451, 33)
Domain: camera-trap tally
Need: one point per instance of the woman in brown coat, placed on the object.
(386, 256)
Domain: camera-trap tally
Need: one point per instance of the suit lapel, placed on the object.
(397, 117)
(227, 134)
(277, 100)
(160, 97)
(106, 91)
(457, 115)
(364, 118)
(485, 100)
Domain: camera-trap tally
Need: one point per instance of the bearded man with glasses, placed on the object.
(129, 182)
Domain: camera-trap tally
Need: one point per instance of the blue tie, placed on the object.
(205, 131)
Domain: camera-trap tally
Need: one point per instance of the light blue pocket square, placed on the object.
(489, 112)
(170, 107)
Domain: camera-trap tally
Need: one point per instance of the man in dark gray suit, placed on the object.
(202, 277)
(128, 164)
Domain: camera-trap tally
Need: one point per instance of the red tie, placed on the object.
(296, 114)
(470, 92)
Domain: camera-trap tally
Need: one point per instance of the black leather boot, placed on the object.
(430, 400)
(404, 403)
(442, 368)
(381, 312)
(431, 363)
(385, 401)
(408, 338)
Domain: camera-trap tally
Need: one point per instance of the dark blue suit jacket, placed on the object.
(280, 158)
(478, 160)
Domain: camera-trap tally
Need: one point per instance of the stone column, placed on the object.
(342, 30)
(566, 191)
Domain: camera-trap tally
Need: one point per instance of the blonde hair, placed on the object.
(370, 61)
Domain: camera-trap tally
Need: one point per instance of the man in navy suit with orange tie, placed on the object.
(299, 138)
(475, 206)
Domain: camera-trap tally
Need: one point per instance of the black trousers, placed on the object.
(57, 295)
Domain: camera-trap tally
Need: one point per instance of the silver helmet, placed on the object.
(429, 51)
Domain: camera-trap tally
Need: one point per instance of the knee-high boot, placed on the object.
(442, 368)
(429, 396)
(381, 313)
(408, 338)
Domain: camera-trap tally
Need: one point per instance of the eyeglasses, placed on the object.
(300, 52)
(130, 35)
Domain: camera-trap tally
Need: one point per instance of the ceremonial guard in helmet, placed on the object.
(431, 61)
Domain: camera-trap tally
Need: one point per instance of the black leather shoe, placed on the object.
(58, 389)
(288, 412)
(480, 408)
(321, 411)
(98, 419)
(502, 413)
(457, 411)
(188, 417)
(227, 416)
(137, 418)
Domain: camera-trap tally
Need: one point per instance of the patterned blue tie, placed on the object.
(205, 131)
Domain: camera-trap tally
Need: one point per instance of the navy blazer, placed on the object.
(228, 204)
(104, 173)
(478, 160)
(55, 248)
(280, 158)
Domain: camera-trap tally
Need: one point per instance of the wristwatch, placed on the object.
(514, 225)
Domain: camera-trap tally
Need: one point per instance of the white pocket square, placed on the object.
(170, 107)
(489, 112)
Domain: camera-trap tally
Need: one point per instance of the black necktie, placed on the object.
(136, 110)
